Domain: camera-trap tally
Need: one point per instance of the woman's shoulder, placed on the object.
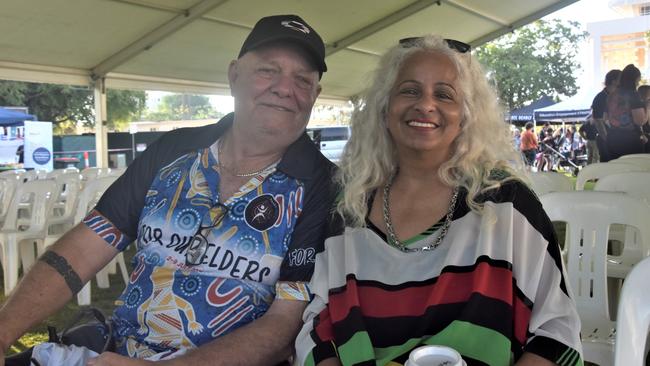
(509, 188)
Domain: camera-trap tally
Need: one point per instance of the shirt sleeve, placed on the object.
(123, 201)
(599, 106)
(554, 324)
(309, 234)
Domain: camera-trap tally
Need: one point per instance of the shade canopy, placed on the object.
(575, 108)
(186, 45)
(526, 113)
(10, 117)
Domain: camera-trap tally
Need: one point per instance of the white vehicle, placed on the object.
(330, 140)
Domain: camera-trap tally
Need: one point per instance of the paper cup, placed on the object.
(434, 356)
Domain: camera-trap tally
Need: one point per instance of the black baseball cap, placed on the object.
(289, 28)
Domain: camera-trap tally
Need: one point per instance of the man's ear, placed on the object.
(232, 74)
(318, 90)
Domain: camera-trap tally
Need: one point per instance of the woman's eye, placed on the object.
(409, 91)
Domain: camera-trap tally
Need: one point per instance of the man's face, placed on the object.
(275, 88)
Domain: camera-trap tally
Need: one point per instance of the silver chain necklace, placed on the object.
(242, 175)
(392, 238)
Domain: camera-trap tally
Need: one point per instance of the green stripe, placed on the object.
(310, 360)
(480, 343)
(357, 349)
(566, 356)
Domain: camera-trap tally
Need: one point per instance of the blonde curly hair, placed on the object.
(482, 148)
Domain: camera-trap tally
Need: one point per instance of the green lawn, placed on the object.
(102, 299)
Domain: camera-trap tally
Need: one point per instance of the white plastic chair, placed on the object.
(545, 182)
(588, 215)
(39, 194)
(637, 185)
(638, 161)
(91, 193)
(599, 170)
(91, 173)
(633, 319)
(63, 212)
(634, 156)
(8, 184)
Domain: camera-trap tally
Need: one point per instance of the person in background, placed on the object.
(644, 94)
(626, 113)
(529, 144)
(516, 137)
(589, 132)
(226, 219)
(435, 239)
(598, 109)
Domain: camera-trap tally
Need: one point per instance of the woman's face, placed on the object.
(425, 108)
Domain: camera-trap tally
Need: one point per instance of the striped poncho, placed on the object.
(493, 289)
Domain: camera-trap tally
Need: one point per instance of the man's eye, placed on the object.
(266, 71)
(303, 82)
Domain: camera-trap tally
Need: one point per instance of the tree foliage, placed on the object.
(536, 60)
(67, 105)
(183, 107)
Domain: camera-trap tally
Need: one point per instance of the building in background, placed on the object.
(617, 43)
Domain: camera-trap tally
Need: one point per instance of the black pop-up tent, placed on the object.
(9, 117)
(525, 114)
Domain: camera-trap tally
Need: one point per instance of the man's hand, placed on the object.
(113, 359)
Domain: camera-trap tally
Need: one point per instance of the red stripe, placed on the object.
(450, 288)
(324, 327)
(522, 318)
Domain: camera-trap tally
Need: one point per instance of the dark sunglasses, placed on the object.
(199, 244)
(459, 46)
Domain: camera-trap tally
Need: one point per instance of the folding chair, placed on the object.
(599, 170)
(545, 182)
(633, 319)
(588, 215)
(38, 194)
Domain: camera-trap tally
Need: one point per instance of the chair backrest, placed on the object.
(30, 175)
(545, 182)
(633, 319)
(116, 171)
(68, 187)
(599, 170)
(91, 173)
(38, 193)
(636, 184)
(90, 194)
(638, 161)
(588, 215)
(628, 156)
(8, 184)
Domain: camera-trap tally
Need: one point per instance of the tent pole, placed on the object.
(101, 132)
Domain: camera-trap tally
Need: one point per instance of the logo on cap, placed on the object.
(295, 25)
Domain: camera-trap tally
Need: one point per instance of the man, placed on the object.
(529, 144)
(598, 109)
(226, 218)
(589, 132)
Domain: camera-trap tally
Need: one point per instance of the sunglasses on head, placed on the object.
(459, 46)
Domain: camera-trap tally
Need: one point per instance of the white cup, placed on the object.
(434, 356)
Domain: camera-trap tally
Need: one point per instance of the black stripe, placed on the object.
(386, 332)
(548, 348)
(498, 263)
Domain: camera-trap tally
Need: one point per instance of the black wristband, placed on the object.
(66, 271)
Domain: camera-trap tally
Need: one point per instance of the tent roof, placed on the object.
(575, 108)
(9, 117)
(186, 45)
(525, 113)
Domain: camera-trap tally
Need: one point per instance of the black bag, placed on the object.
(88, 329)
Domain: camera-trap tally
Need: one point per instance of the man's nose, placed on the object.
(282, 85)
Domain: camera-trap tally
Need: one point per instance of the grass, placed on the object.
(103, 299)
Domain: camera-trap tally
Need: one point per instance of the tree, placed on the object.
(536, 60)
(67, 105)
(184, 106)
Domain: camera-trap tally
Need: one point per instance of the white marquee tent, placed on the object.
(575, 108)
(186, 45)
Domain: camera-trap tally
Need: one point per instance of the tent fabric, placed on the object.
(9, 117)
(187, 45)
(526, 113)
(575, 108)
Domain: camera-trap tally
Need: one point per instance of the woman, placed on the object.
(440, 243)
(626, 114)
